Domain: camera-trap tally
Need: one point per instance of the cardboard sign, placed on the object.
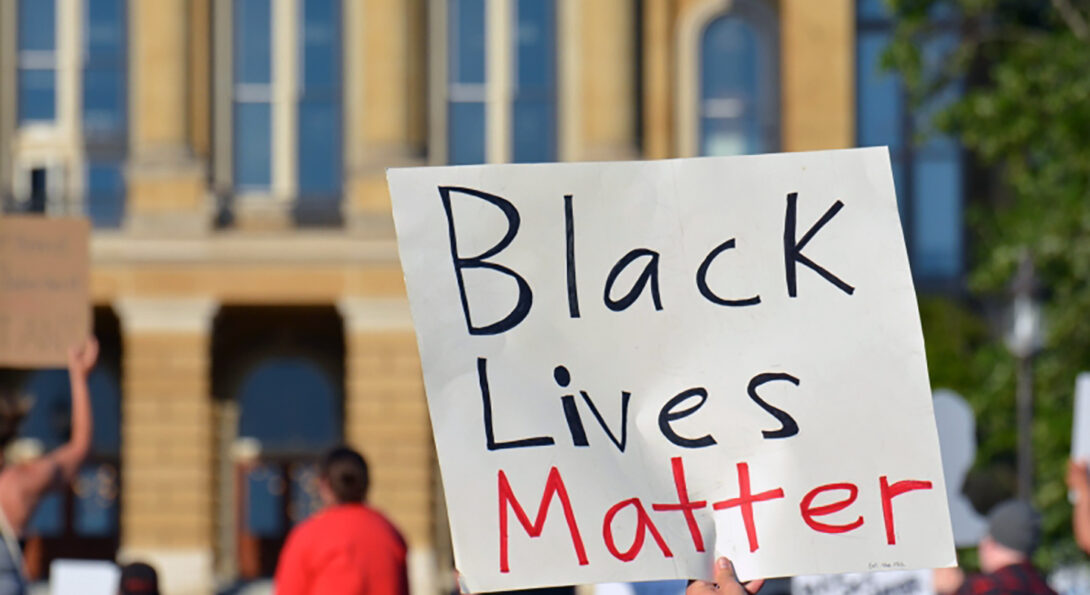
(44, 289)
(83, 577)
(631, 367)
(957, 443)
(908, 582)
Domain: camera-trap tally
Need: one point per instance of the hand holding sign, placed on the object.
(632, 367)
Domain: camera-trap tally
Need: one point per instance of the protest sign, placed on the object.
(894, 582)
(632, 367)
(44, 289)
(1080, 431)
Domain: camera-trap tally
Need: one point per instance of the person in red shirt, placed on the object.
(347, 548)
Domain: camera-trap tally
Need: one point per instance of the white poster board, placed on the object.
(1080, 432)
(896, 582)
(632, 367)
(83, 577)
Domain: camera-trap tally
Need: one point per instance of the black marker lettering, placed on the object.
(702, 279)
(573, 285)
(788, 427)
(792, 250)
(650, 273)
(668, 415)
(525, 299)
(489, 434)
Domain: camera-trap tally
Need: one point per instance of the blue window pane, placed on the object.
(290, 406)
(95, 513)
(319, 148)
(253, 41)
(253, 145)
(937, 218)
(37, 95)
(872, 9)
(49, 418)
(467, 41)
(37, 25)
(880, 100)
(535, 46)
(321, 44)
(265, 501)
(105, 30)
(104, 102)
(105, 204)
(534, 131)
(48, 518)
(466, 135)
(738, 85)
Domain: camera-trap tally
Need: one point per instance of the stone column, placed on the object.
(167, 493)
(605, 106)
(658, 74)
(167, 190)
(385, 104)
(386, 418)
(818, 72)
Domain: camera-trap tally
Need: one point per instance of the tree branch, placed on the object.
(1074, 19)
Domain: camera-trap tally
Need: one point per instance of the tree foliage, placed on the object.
(1023, 67)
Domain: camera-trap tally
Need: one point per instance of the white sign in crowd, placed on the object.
(634, 367)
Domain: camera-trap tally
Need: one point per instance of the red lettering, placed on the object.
(889, 492)
(643, 525)
(685, 505)
(553, 485)
(745, 502)
(809, 511)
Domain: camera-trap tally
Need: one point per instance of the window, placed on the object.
(104, 70)
(37, 61)
(927, 165)
(253, 95)
(104, 113)
(739, 82)
(530, 86)
(319, 122)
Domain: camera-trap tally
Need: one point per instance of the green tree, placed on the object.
(1024, 115)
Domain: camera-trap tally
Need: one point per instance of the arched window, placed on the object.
(928, 173)
(525, 111)
(739, 99)
(291, 408)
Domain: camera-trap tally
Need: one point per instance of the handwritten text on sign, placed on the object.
(44, 296)
(632, 367)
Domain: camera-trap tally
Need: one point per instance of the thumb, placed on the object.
(724, 573)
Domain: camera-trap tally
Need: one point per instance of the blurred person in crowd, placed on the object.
(1014, 531)
(23, 485)
(726, 582)
(348, 547)
(1079, 483)
(138, 578)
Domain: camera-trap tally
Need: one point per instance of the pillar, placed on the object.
(167, 192)
(658, 75)
(167, 436)
(385, 104)
(386, 418)
(607, 84)
(818, 66)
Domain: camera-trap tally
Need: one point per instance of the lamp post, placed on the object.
(1024, 340)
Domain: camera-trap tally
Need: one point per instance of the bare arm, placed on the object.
(58, 468)
(1079, 483)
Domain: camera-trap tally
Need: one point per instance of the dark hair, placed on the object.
(139, 578)
(346, 472)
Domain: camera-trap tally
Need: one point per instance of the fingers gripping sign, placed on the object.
(726, 582)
